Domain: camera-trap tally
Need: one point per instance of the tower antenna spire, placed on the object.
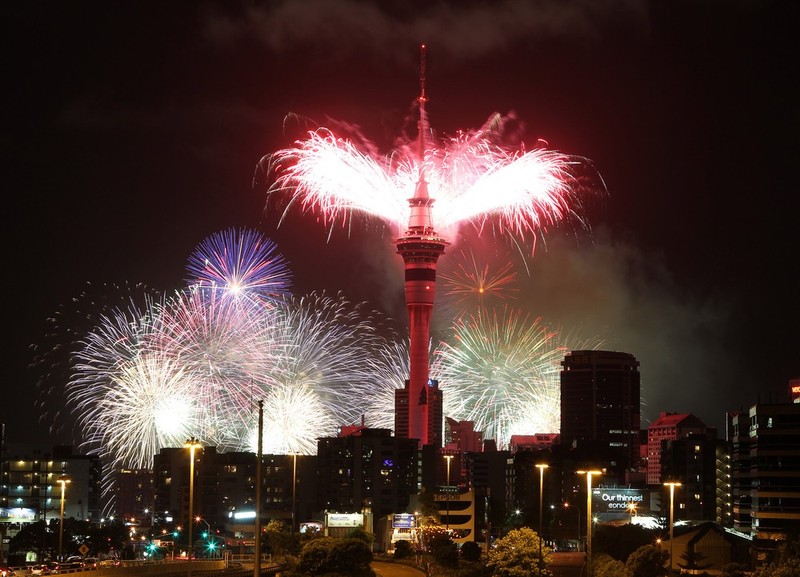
(422, 99)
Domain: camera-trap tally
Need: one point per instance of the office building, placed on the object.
(405, 404)
(765, 472)
(600, 398)
(367, 472)
(670, 427)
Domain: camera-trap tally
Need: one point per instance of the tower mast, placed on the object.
(420, 248)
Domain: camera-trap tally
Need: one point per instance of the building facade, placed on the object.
(405, 403)
(600, 402)
(765, 472)
(670, 427)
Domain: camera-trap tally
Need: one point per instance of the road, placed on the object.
(383, 569)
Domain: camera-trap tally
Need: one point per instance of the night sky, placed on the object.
(132, 130)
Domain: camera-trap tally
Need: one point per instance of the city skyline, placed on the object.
(121, 166)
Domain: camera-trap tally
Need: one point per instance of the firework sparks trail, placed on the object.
(502, 372)
(470, 176)
(472, 285)
(391, 373)
(227, 347)
(240, 262)
(332, 350)
(66, 330)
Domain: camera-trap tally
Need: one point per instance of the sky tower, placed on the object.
(420, 248)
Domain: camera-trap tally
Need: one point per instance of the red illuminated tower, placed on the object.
(420, 248)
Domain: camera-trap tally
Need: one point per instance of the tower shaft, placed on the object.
(420, 249)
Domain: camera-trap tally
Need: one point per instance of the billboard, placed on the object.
(17, 515)
(403, 521)
(615, 500)
(344, 519)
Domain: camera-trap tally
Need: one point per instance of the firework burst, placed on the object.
(240, 262)
(472, 177)
(473, 284)
(501, 371)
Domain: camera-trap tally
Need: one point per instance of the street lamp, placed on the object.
(589, 475)
(578, 509)
(63, 482)
(198, 518)
(541, 467)
(448, 458)
(671, 485)
(294, 491)
(191, 444)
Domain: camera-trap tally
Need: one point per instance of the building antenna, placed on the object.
(422, 99)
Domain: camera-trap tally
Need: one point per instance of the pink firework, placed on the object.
(471, 177)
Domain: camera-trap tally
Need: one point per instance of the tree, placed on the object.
(647, 561)
(279, 540)
(620, 541)
(325, 555)
(606, 566)
(440, 545)
(428, 509)
(517, 555)
(402, 550)
(32, 537)
(360, 533)
(785, 564)
(471, 551)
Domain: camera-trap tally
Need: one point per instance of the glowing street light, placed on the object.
(198, 518)
(632, 510)
(63, 482)
(191, 444)
(589, 475)
(671, 485)
(448, 458)
(578, 509)
(541, 467)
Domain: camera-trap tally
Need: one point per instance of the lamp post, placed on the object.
(671, 485)
(191, 444)
(578, 509)
(294, 492)
(198, 518)
(63, 482)
(541, 467)
(448, 458)
(589, 475)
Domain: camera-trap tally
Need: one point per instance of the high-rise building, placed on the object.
(693, 460)
(133, 495)
(765, 472)
(600, 396)
(670, 427)
(432, 416)
(367, 472)
(420, 247)
(31, 490)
